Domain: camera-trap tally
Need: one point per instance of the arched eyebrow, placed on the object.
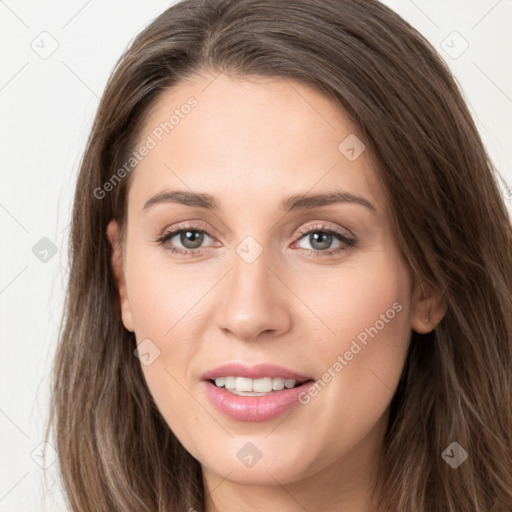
(307, 202)
(290, 203)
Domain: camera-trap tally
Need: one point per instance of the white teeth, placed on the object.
(244, 385)
(289, 383)
(229, 382)
(277, 383)
(262, 385)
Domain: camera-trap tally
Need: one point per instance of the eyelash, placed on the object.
(348, 241)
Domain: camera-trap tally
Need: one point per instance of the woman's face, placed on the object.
(281, 285)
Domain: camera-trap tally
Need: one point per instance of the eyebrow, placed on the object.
(290, 203)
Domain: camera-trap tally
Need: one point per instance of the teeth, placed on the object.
(245, 386)
(262, 385)
(289, 383)
(229, 382)
(277, 383)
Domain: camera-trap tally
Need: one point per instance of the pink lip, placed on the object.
(253, 372)
(254, 408)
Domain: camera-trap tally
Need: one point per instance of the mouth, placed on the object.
(254, 393)
(244, 386)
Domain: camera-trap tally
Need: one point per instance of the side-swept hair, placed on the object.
(116, 452)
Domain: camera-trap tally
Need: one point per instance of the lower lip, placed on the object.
(254, 408)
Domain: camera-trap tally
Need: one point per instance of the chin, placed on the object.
(275, 465)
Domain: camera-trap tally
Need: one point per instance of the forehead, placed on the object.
(250, 138)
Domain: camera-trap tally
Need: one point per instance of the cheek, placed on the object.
(360, 358)
(162, 307)
(368, 310)
(163, 297)
(368, 293)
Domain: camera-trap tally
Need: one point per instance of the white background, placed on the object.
(47, 107)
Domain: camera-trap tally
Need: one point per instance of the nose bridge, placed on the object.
(252, 304)
(250, 274)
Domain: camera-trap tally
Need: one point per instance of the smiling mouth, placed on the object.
(243, 386)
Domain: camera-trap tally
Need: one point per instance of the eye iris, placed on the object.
(191, 236)
(323, 239)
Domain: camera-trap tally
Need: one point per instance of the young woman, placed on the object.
(290, 274)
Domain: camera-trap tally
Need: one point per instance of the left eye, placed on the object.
(321, 240)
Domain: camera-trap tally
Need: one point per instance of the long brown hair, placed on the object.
(116, 452)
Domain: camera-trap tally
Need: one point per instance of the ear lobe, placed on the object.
(428, 308)
(116, 264)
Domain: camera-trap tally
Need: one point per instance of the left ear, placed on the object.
(427, 309)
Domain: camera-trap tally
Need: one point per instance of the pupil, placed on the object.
(190, 240)
(323, 239)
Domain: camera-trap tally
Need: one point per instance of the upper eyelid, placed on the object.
(326, 226)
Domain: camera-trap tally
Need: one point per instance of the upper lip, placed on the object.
(257, 371)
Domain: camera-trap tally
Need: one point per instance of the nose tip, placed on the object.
(251, 306)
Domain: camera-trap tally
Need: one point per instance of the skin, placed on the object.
(250, 142)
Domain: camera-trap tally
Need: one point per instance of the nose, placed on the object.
(254, 301)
